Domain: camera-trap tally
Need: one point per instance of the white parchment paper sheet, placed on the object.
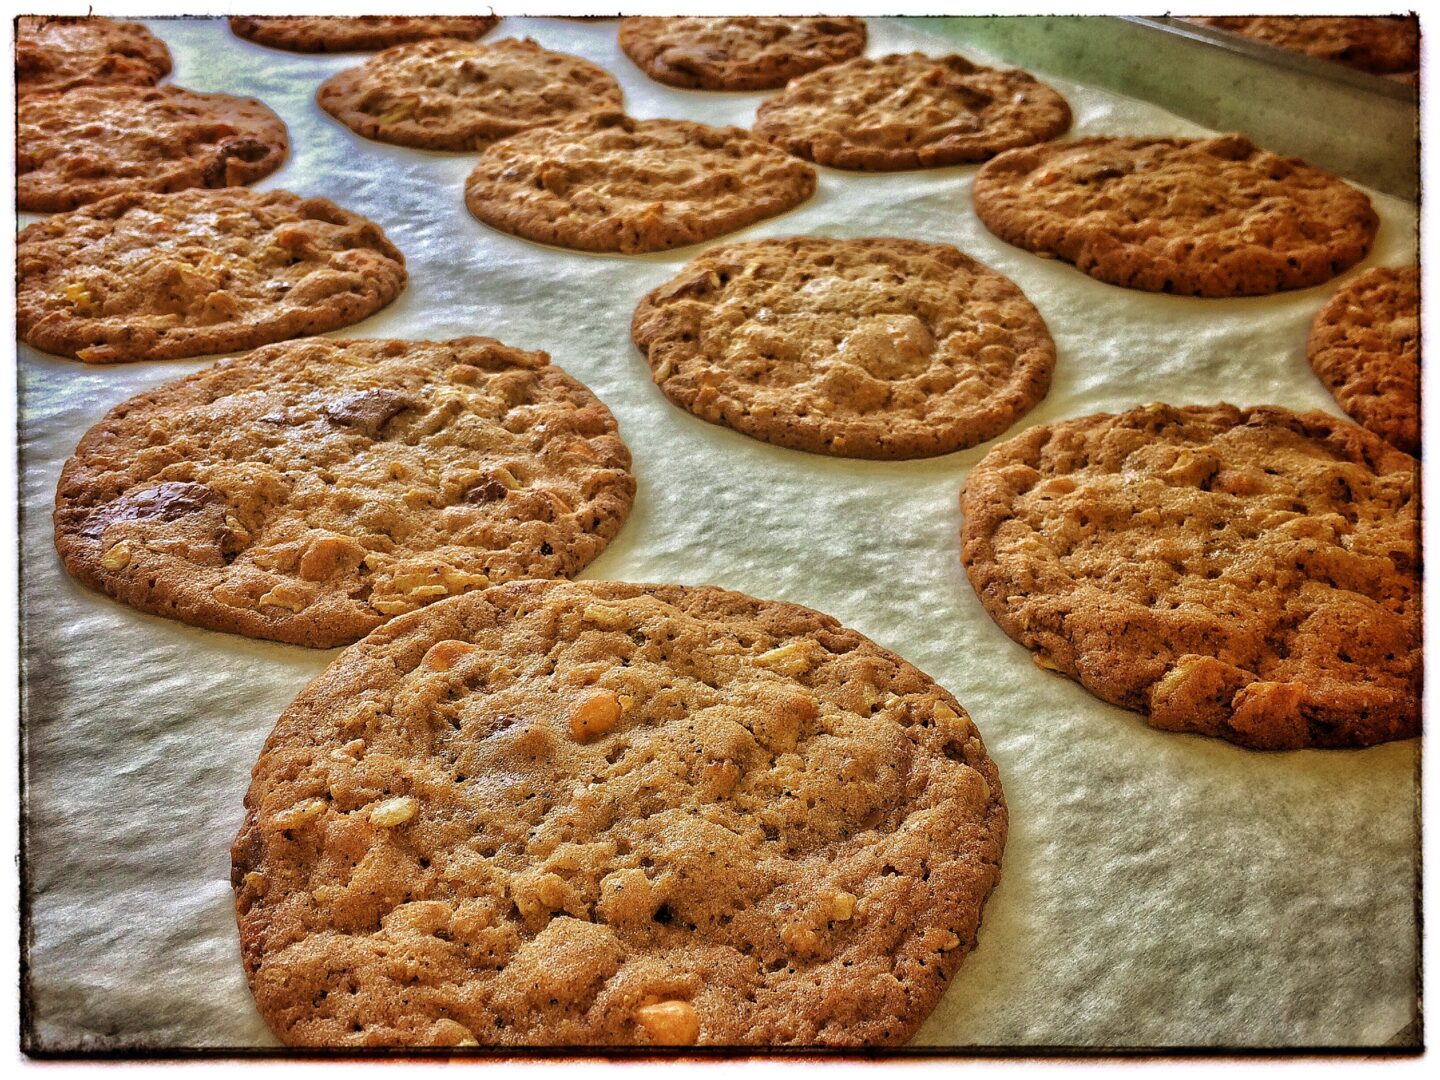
(1158, 890)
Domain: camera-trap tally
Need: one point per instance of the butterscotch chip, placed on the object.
(94, 142)
(1249, 574)
(876, 348)
(1365, 346)
(1198, 217)
(606, 182)
(53, 53)
(356, 33)
(737, 52)
(308, 491)
(146, 276)
(457, 95)
(1381, 45)
(717, 868)
(910, 111)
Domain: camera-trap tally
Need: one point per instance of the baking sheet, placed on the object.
(1159, 890)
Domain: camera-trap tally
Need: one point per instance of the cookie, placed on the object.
(1380, 45)
(308, 491)
(1250, 574)
(876, 348)
(1198, 217)
(53, 54)
(593, 813)
(1365, 346)
(457, 95)
(356, 33)
(737, 52)
(93, 142)
(146, 276)
(910, 111)
(606, 182)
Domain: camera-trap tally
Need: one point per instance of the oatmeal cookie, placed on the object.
(1381, 45)
(54, 53)
(356, 33)
(737, 52)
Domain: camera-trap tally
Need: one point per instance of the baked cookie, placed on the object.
(92, 142)
(146, 276)
(457, 95)
(910, 111)
(1251, 574)
(308, 491)
(606, 182)
(877, 348)
(1198, 217)
(54, 53)
(1365, 346)
(356, 33)
(1381, 45)
(737, 52)
(592, 813)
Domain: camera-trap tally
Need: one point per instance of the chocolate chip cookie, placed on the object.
(737, 52)
(592, 813)
(54, 53)
(1381, 45)
(356, 33)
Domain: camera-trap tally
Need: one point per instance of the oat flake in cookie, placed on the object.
(910, 111)
(308, 491)
(1249, 574)
(54, 53)
(737, 52)
(877, 348)
(458, 95)
(94, 142)
(606, 182)
(154, 277)
(1199, 217)
(592, 813)
(356, 33)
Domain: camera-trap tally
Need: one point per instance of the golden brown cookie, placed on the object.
(606, 182)
(910, 111)
(356, 33)
(875, 348)
(1365, 346)
(54, 53)
(458, 95)
(93, 142)
(592, 813)
(148, 276)
(737, 52)
(1381, 45)
(308, 491)
(1198, 217)
(1251, 574)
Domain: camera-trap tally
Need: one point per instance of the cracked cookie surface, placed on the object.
(1198, 217)
(54, 54)
(147, 276)
(458, 95)
(356, 33)
(93, 142)
(590, 813)
(910, 111)
(737, 52)
(878, 348)
(308, 491)
(1248, 574)
(1380, 45)
(606, 182)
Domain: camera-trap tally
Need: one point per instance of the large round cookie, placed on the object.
(458, 95)
(606, 182)
(93, 142)
(356, 33)
(910, 111)
(308, 491)
(54, 53)
(1379, 45)
(592, 813)
(1249, 574)
(1365, 346)
(1198, 217)
(148, 276)
(737, 52)
(876, 348)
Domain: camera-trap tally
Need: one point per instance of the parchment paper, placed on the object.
(1158, 890)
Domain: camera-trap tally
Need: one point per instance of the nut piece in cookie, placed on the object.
(792, 851)
(737, 52)
(886, 348)
(356, 33)
(1250, 574)
(57, 53)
